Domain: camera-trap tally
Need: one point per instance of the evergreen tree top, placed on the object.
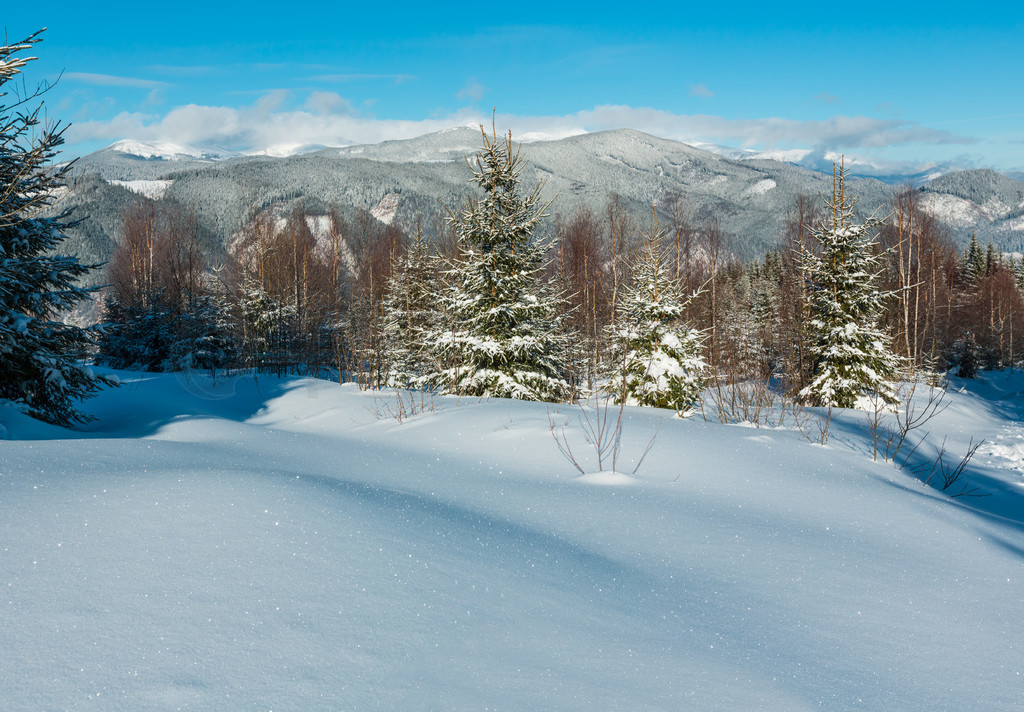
(503, 219)
(973, 261)
(840, 209)
(654, 294)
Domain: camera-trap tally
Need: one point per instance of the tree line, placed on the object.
(373, 304)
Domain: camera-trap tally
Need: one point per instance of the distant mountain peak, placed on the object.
(167, 151)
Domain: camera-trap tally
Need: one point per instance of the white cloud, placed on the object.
(109, 80)
(327, 103)
(772, 132)
(396, 78)
(271, 101)
(473, 91)
(262, 127)
(873, 165)
(328, 119)
(701, 91)
(193, 70)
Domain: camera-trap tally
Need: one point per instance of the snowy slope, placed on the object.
(278, 545)
(153, 189)
(165, 151)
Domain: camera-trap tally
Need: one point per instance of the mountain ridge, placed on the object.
(750, 198)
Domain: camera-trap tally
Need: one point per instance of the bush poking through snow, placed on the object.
(601, 432)
(407, 403)
(948, 476)
(894, 440)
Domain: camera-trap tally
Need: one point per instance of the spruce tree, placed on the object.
(851, 355)
(409, 314)
(205, 337)
(136, 336)
(762, 308)
(655, 360)
(993, 259)
(973, 262)
(269, 329)
(40, 355)
(503, 333)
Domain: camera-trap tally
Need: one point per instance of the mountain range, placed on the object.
(749, 195)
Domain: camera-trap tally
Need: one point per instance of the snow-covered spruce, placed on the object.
(501, 334)
(269, 330)
(972, 262)
(409, 315)
(156, 336)
(656, 361)
(851, 355)
(40, 367)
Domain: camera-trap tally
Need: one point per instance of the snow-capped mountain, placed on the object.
(165, 151)
(794, 155)
(750, 194)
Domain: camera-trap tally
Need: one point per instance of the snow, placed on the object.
(607, 477)
(142, 149)
(153, 189)
(954, 210)
(273, 544)
(760, 188)
(794, 155)
(386, 209)
(557, 135)
(164, 150)
(289, 148)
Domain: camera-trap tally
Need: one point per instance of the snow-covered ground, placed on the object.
(287, 545)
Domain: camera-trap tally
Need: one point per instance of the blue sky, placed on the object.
(898, 85)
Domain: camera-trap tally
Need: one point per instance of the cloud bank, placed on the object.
(328, 119)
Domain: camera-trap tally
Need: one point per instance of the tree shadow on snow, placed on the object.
(146, 402)
(986, 491)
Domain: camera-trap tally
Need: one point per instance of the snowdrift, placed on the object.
(286, 544)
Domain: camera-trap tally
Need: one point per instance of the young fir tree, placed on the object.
(973, 262)
(850, 354)
(40, 368)
(751, 319)
(410, 314)
(153, 335)
(205, 337)
(655, 360)
(993, 259)
(503, 335)
(136, 336)
(270, 330)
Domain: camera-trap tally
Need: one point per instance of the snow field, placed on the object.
(272, 544)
